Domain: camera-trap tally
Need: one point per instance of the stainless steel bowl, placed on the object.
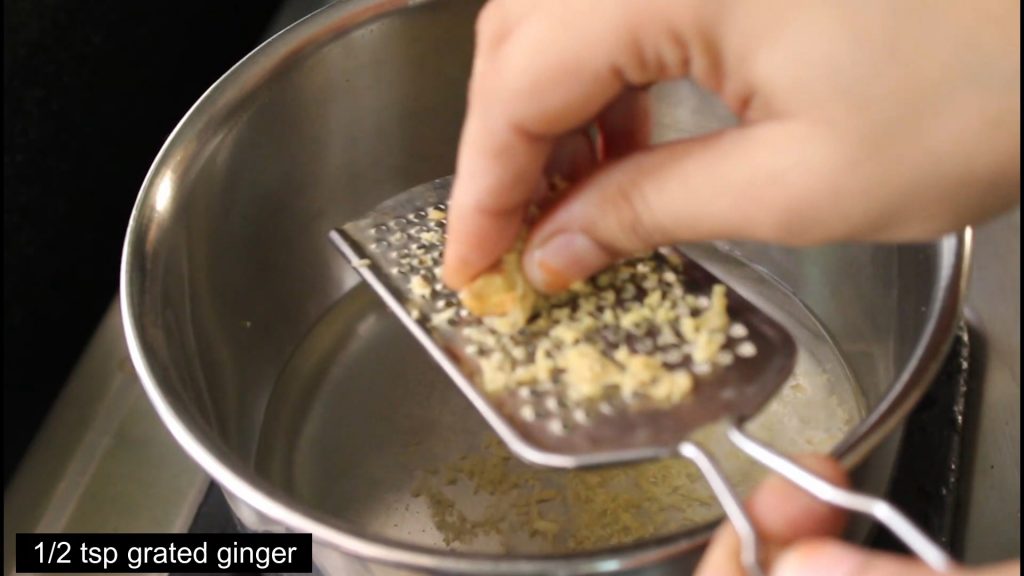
(227, 270)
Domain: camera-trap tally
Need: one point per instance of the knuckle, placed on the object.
(494, 27)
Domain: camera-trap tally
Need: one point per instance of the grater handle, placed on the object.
(750, 555)
(882, 511)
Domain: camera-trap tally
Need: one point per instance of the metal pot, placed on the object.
(227, 270)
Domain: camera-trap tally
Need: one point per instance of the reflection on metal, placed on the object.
(102, 461)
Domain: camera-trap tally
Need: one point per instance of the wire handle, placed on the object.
(750, 553)
(882, 511)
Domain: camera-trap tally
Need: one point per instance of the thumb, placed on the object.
(838, 559)
(750, 183)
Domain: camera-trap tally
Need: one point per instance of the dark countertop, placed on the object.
(91, 90)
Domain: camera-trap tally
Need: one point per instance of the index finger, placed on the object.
(539, 72)
(782, 513)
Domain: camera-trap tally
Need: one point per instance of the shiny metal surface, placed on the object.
(732, 505)
(226, 269)
(992, 520)
(102, 461)
(882, 511)
(371, 246)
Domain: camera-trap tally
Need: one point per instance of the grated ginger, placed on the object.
(708, 331)
(566, 327)
(531, 509)
(515, 337)
(587, 370)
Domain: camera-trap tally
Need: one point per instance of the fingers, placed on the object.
(840, 559)
(537, 75)
(757, 183)
(782, 514)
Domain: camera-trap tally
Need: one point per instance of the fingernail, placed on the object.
(564, 259)
(819, 558)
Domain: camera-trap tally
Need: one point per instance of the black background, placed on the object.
(91, 91)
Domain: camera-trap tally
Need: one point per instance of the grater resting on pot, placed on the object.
(623, 367)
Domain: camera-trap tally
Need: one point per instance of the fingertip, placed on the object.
(453, 275)
(722, 556)
(784, 512)
(476, 240)
(467, 254)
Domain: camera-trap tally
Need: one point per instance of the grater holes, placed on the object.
(738, 330)
(556, 427)
(672, 356)
(725, 358)
(644, 345)
(746, 349)
(613, 310)
(581, 416)
(527, 412)
(551, 404)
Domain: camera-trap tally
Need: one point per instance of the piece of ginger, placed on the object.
(503, 294)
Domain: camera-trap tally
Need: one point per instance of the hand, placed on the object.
(875, 120)
(801, 533)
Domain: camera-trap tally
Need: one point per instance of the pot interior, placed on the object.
(269, 352)
(363, 425)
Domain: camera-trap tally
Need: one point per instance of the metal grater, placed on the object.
(397, 249)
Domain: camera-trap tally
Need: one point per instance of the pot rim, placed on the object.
(293, 516)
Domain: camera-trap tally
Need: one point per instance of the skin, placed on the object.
(858, 121)
(874, 120)
(801, 537)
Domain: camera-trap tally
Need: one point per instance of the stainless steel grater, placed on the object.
(397, 249)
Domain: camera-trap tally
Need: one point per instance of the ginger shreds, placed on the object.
(587, 370)
(707, 332)
(559, 511)
(525, 339)
(515, 337)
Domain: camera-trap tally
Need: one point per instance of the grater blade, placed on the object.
(402, 240)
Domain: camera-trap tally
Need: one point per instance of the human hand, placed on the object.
(876, 120)
(800, 536)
